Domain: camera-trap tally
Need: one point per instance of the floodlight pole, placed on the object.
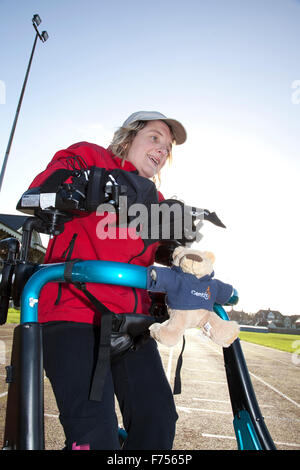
(43, 37)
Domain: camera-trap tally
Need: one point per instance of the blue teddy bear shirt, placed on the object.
(185, 291)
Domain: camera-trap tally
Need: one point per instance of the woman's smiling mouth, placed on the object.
(154, 160)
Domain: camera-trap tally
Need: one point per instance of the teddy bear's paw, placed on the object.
(223, 336)
(154, 326)
(162, 335)
(233, 333)
(154, 329)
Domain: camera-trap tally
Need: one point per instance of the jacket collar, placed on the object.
(127, 166)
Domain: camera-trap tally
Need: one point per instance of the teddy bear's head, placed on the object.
(198, 263)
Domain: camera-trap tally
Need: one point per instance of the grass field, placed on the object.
(289, 343)
(13, 316)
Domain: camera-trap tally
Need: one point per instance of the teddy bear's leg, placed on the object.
(170, 331)
(222, 332)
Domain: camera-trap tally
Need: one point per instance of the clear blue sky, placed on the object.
(224, 68)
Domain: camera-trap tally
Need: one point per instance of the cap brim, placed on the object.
(178, 130)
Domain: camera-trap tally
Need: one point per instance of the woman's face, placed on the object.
(150, 148)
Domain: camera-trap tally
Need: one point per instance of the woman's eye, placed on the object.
(154, 138)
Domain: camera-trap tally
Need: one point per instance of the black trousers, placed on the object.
(137, 379)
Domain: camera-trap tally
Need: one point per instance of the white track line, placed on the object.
(210, 399)
(287, 444)
(261, 380)
(226, 402)
(203, 410)
(209, 382)
(221, 436)
(168, 373)
(275, 390)
(218, 436)
(48, 415)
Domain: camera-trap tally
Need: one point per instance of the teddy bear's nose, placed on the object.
(194, 258)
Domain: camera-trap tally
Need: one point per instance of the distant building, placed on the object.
(297, 323)
(265, 318)
(240, 317)
(269, 317)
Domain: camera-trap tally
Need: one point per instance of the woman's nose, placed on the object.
(163, 151)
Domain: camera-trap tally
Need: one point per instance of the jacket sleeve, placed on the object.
(76, 156)
(165, 278)
(224, 292)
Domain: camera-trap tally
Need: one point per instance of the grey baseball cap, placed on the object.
(177, 128)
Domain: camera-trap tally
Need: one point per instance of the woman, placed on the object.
(71, 322)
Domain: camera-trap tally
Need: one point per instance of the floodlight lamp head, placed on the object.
(36, 20)
(44, 36)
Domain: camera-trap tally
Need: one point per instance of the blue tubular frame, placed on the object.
(24, 427)
(249, 426)
(251, 433)
(103, 272)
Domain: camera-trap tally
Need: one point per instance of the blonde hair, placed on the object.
(123, 138)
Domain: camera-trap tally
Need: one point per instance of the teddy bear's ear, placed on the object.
(177, 251)
(210, 256)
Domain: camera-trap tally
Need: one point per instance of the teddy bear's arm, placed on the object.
(224, 291)
(159, 279)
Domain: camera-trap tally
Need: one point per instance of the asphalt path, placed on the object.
(205, 415)
(204, 409)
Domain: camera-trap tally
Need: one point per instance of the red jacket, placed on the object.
(72, 304)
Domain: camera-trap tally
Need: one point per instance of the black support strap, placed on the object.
(103, 360)
(177, 380)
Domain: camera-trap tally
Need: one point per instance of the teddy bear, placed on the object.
(191, 292)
